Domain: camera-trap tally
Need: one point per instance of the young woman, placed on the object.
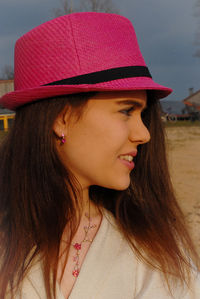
(87, 209)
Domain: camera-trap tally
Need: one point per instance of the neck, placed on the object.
(89, 205)
(88, 208)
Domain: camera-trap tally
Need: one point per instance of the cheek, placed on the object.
(102, 131)
(108, 137)
(92, 148)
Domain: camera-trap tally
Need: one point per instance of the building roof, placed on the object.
(5, 111)
(6, 81)
(193, 100)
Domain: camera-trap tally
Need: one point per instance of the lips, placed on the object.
(133, 154)
(128, 164)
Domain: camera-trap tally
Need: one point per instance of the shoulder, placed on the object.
(147, 282)
(33, 286)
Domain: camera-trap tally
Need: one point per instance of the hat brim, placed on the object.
(14, 99)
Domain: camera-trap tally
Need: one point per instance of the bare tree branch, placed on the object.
(98, 6)
(68, 6)
(7, 72)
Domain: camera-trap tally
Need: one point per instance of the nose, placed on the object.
(139, 132)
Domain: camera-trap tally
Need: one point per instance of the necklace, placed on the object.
(78, 246)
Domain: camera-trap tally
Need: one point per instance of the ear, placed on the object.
(60, 125)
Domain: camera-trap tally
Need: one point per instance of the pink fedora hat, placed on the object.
(79, 52)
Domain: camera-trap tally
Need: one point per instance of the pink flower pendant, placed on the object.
(75, 273)
(77, 246)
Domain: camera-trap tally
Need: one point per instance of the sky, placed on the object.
(165, 30)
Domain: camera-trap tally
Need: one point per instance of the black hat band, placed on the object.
(105, 76)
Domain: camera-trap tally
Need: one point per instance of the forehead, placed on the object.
(121, 97)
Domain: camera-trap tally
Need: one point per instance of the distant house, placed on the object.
(172, 107)
(6, 116)
(192, 102)
(6, 86)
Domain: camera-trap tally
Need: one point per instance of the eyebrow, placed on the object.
(131, 102)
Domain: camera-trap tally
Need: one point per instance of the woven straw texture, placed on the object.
(74, 45)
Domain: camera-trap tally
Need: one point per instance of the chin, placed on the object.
(121, 188)
(120, 185)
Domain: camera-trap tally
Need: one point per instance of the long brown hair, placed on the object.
(36, 202)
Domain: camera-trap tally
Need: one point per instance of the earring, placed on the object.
(63, 140)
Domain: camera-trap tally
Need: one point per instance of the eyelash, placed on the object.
(127, 111)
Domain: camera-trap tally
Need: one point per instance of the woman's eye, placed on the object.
(127, 111)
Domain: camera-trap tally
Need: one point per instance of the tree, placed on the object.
(99, 6)
(68, 6)
(7, 72)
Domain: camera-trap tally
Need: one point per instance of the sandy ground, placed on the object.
(183, 144)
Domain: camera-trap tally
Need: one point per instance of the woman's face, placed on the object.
(109, 127)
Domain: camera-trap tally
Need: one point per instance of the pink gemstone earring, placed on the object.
(63, 140)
